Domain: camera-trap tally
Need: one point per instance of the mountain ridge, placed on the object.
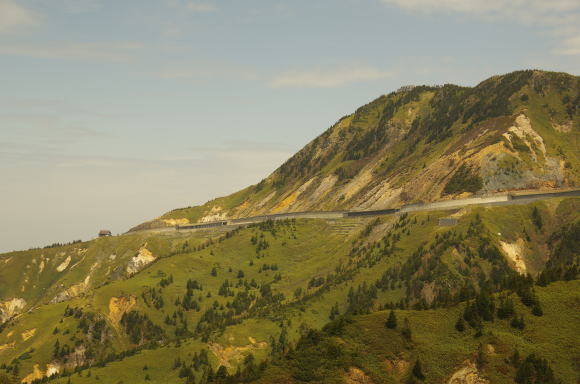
(407, 146)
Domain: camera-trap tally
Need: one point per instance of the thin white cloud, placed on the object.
(116, 52)
(328, 78)
(14, 16)
(200, 7)
(559, 17)
(569, 47)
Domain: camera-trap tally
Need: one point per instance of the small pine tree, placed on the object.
(418, 370)
(537, 219)
(214, 271)
(406, 331)
(460, 324)
(516, 358)
(518, 322)
(221, 373)
(537, 310)
(392, 320)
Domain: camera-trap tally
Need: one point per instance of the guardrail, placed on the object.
(484, 200)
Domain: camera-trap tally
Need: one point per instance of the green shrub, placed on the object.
(464, 180)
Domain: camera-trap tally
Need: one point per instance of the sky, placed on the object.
(113, 112)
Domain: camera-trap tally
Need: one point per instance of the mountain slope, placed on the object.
(261, 288)
(510, 132)
(307, 300)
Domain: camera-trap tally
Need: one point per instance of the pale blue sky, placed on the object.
(113, 112)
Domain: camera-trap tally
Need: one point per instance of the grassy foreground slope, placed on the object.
(365, 349)
(261, 293)
(516, 131)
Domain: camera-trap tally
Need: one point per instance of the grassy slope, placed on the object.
(435, 341)
(442, 349)
(306, 249)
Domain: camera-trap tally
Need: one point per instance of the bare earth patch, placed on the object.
(356, 376)
(35, 375)
(174, 222)
(119, 306)
(28, 334)
(467, 374)
(7, 346)
(64, 264)
(10, 308)
(515, 253)
(225, 354)
(397, 366)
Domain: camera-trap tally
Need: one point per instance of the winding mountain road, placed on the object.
(510, 198)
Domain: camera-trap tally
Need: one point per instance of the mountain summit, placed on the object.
(423, 143)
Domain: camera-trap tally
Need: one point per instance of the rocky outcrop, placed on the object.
(11, 308)
(137, 263)
(467, 374)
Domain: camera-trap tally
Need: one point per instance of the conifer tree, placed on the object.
(418, 370)
(392, 320)
(460, 324)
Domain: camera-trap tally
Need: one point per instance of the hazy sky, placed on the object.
(115, 111)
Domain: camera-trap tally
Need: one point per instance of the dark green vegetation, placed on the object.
(464, 180)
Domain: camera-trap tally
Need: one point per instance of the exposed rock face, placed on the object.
(467, 374)
(62, 266)
(356, 376)
(515, 253)
(75, 289)
(137, 263)
(215, 214)
(10, 308)
(38, 374)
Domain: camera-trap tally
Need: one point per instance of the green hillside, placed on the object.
(511, 132)
(260, 291)
(403, 298)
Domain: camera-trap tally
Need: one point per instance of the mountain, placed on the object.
(423, 143)
(479, 294)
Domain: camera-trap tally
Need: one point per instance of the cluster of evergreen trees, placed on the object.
(140, 328)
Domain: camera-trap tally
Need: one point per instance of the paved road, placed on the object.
(492, 200)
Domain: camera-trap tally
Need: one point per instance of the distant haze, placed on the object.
(112, 113)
